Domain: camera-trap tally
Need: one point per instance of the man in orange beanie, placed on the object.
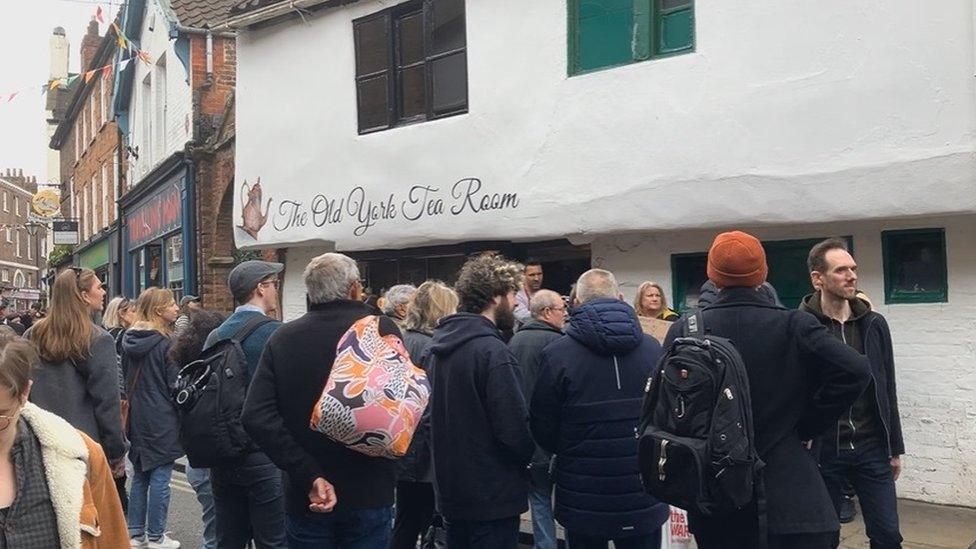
(801, 379)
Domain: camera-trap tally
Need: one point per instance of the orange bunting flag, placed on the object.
(55, 84)
(144, 56)
(89, 75)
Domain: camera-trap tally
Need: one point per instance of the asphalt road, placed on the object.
(184, 522)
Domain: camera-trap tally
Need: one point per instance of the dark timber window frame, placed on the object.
(891, 243)
(392, 20)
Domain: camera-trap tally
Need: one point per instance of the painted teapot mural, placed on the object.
(252, 220)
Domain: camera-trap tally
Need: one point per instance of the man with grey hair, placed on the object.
(395, 302)
(332, 493)
(585, 404)
(546, 325)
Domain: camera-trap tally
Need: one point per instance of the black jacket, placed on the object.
(801, 380)
(288, 382)
(479, 422)
(154, 427)
(527, 345)
(585, 408)
(874, 339)
(414, 466)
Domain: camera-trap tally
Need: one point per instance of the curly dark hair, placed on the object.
(188, 342)
(484, 277)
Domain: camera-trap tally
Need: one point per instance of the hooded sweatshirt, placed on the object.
(585, 408)
(861, 422)
(479, 422)
(149, 378)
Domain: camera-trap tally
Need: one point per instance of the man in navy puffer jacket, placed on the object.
(585, 408)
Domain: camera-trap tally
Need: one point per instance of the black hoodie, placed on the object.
(479, 422)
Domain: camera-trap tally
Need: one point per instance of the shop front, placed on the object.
(157, 238)
(98, 257)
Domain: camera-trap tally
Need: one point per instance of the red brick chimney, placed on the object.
(89, 44)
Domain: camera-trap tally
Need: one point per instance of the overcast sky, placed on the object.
(24, 62)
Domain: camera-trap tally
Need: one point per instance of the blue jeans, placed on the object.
(342, 529)
(540, 500)
(250, 505)
(199, 479)
(149, 502)
(868, 468)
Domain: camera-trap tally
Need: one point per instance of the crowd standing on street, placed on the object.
(530, 400)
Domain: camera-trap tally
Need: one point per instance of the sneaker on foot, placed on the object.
(847, 510)
(138, 543)
(164, 542)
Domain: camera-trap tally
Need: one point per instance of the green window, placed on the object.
(915, 266)
(609, 33)
(788, 273)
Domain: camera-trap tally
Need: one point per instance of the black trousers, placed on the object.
(580, 541)
(725, 539)
(488, 534)
(414, 513)
(123, 495)
(250, 506)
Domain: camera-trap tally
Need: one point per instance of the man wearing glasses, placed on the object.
(548, 317)
(248, 494)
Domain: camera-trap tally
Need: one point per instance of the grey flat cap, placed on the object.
(245, 277)
(187, 299)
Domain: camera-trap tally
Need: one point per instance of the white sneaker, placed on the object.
(138, 543)
(164, 542)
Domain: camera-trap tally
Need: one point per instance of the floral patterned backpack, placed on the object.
(375, 396)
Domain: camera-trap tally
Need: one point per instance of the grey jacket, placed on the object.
(85, 392)
(527, 345)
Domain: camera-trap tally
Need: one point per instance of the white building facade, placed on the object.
(633, 135)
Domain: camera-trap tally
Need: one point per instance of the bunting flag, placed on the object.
(99, 16)
(144, 57)
(55, 84)
(11, 96)
(89, 75)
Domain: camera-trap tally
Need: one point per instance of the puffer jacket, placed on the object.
(585, 408)
(83, 494)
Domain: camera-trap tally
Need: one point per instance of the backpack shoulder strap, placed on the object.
(249, 328)
(694, 325)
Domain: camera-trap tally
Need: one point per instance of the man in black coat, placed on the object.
(801, 380)
(546, 325)
(479, 420)
(865, 445)
(334, 496)
(585, 407)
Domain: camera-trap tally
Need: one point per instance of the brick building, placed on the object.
(91, 164)
(22, 244)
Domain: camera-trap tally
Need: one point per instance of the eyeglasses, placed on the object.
(274, 282)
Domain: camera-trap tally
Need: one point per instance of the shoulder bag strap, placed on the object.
(250, 327)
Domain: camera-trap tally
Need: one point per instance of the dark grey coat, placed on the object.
(414, 466)
(154, 428)
(527, 345)
(85, 392)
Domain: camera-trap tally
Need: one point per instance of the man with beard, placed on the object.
(865, 445)
(479, 419)
(532, 283)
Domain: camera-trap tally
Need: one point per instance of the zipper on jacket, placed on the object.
(874, 381)
(616, 369)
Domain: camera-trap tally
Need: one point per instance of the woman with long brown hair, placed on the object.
(153, 422)
(651, 302)
(78, 375)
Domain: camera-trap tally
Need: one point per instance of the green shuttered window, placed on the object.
(610, 33)
(915, 266)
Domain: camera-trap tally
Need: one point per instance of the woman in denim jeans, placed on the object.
(153, 424)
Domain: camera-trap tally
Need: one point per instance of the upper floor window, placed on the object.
(609, 33)
(6, 206)
(16, 205)
(411, 64)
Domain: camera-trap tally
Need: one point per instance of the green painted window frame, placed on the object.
(647, 44)
(890, 262)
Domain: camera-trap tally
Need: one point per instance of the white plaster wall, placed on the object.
(934, 346)
(781, 109)
(293, 289)
(179, 103)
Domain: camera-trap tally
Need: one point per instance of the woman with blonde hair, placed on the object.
(415, 493)
(78, 374)
(651, 302)
(153, 424)
(55, 483)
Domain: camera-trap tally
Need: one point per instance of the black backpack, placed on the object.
(697, 447)
(209, 396)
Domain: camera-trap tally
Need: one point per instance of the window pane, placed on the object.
(689, 275)
(413, 92)
(372, 46)
(915, 266)
(447, 23)
(373, 103)
(411, 39)
(606, 30)
(676, 31)
(449, 80)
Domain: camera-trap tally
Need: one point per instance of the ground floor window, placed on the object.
(915, 266)
(174, 265)
(161, 264)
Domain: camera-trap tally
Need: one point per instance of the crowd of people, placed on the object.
(534, 402)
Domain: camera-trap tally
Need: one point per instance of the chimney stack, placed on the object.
(58, 45)
(89, 44)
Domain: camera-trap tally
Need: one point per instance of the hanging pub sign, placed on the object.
(65, 232)
(46, 204)
(160, 214)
